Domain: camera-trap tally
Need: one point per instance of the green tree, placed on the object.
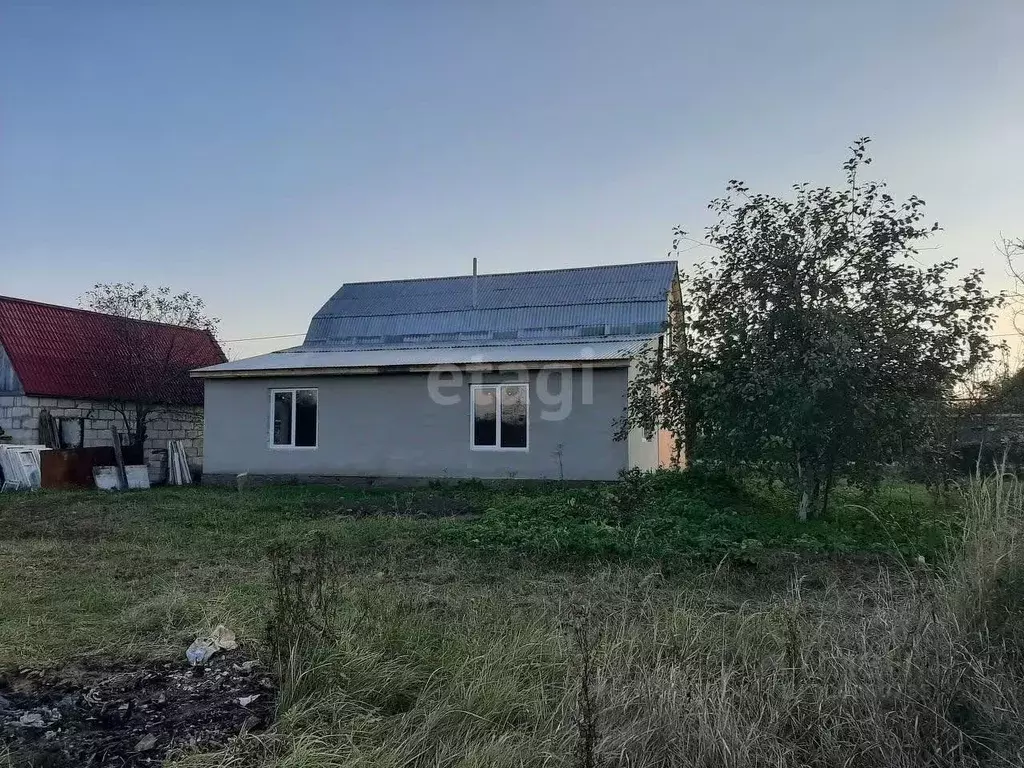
(157, 355)
(815, 344)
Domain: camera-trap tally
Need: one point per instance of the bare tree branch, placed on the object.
(151, 334)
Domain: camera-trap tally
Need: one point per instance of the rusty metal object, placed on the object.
(73, 468)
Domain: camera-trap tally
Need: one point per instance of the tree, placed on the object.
(1013, 252)
(816, 345)
(158, 352)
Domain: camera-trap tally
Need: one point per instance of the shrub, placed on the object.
(670, 516)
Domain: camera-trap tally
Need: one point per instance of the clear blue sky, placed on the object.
(264, 153)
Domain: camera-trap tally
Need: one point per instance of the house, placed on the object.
(518, 375)
(88, 369)
(990, 425)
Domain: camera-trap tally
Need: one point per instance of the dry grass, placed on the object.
(431, 659)
(914, 668)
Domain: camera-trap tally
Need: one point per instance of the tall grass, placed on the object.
(986, 573)
(917, 667)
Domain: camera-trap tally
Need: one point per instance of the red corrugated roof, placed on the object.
(66, 352)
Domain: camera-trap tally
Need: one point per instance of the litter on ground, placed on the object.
(203, 648)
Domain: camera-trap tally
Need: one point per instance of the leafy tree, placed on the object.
(814, 343)
(159, 357)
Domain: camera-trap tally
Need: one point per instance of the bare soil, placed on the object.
(128, 715)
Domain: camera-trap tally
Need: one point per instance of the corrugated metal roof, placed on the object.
(65, 352)
(608, 319)
(309, 359)
(622, 299)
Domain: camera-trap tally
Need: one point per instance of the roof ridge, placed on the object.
(577, 341)
(33, 302)
(449, 310)
(523, 272)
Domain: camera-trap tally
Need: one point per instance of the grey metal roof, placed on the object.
(307, 359)
(589, 302)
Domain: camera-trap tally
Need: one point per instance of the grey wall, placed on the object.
(8, 378)
(19, 418)
(388, 426)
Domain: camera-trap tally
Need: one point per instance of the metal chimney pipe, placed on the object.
(474, 282)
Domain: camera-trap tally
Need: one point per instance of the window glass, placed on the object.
(513, 417)
(305, 418)
(485, 424)
(282, 418)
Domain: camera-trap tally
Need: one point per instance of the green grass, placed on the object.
(720, 632)
(670, 517)
(140, 573)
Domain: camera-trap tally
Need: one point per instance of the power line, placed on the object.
(262, 338)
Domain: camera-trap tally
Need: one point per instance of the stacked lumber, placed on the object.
(178, 472)
(50, 433)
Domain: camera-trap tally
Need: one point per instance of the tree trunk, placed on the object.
(826, 493)
(810, 487)
(689, 421)
(805, 505)
(139, 433)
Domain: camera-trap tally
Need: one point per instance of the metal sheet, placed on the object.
(572, 321)
(310, 359)
(65, 352)
(72, 468)
(552, 304)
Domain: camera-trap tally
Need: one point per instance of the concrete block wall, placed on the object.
(19, 418)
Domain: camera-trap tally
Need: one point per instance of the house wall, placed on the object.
(9, 383)
(389, 426)
(19, 418)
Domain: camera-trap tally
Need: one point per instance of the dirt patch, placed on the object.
(131, 715)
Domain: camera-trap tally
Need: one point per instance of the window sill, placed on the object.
(498, 449)
(293, 447)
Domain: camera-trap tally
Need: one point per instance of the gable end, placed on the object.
(8, 378)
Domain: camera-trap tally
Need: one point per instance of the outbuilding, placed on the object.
(93, 371)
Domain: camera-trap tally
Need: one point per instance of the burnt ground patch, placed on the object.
(131, 715)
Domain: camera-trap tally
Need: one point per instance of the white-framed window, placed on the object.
(293, 418)
(499, 417)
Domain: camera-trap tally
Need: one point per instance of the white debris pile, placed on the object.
(20, 466)
(202, 648)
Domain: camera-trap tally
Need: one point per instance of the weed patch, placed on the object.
(670, 516)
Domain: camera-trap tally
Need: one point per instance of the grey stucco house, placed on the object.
(519, 375)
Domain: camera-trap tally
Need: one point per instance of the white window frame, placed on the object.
(270, 432)
(473, 388)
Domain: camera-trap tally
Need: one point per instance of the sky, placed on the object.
(261, 154)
